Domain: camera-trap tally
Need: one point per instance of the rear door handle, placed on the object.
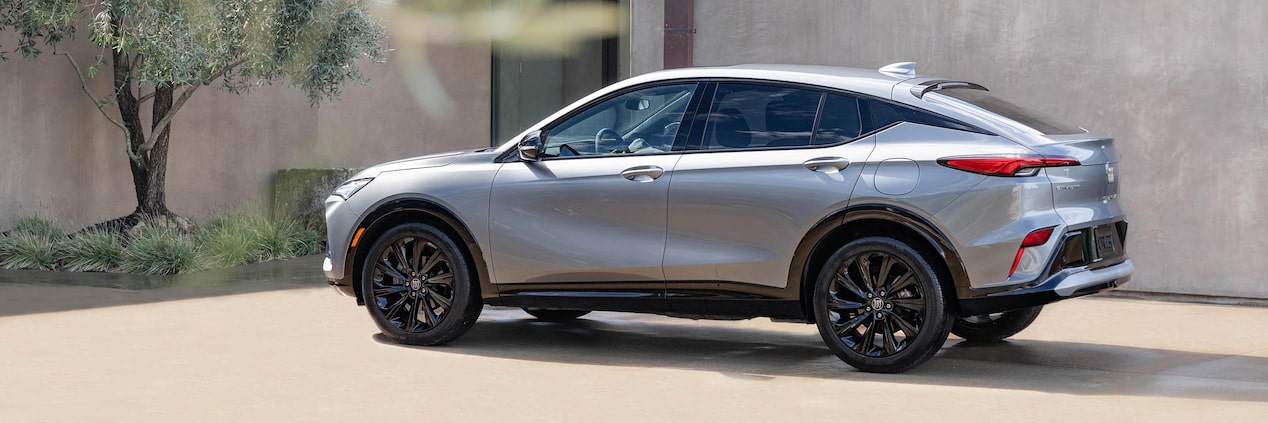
(826, 164)
(643, 173)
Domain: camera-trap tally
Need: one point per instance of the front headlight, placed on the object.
(351, 187)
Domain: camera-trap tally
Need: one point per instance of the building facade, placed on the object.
(1181, 88)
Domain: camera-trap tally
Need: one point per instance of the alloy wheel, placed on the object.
(413, 285)
(876, 305)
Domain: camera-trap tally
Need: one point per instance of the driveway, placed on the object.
(291, 350)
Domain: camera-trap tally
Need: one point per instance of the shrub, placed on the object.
(159, 250)
(32, 244)
(249, 237)
(288, 239)
(230, 240)
(308, 241)
(40, 227)
(26, 250)
(93, 251)
(158, 247)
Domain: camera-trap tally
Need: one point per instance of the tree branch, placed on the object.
(83, 84)
(145, 97)
(180, 101)
(167, 119)
(226, 69)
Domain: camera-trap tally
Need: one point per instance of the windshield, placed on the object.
(1025, 117)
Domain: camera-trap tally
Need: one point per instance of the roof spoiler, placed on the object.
(920, 90)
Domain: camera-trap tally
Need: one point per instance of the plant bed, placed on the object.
(156, 247)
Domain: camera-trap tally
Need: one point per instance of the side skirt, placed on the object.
(683, 302)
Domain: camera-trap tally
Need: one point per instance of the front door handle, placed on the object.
(643, 173)
(826, 164)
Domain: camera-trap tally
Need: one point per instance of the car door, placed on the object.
(770, 162)
(593, 209)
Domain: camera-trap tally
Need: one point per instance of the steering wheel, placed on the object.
(607, 131)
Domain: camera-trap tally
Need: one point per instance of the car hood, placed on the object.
(433, 160)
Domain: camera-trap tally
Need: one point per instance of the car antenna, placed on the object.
(900, 69)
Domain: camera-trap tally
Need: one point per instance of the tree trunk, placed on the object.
(149, 168)
(151, 194)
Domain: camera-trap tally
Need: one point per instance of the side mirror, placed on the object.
(529, 146)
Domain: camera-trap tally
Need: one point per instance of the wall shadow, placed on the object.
(748, 353)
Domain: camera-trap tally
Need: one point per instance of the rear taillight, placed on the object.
(1033, 239)
(1006, 165)
(1036, 238)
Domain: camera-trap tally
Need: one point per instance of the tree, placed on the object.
(163, 51)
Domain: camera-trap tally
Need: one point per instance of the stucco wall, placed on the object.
(647, 32)
(1180, 85)
(60, 158)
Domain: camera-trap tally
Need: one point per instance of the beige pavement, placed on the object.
(306, 354)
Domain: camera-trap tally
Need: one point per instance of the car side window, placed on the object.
(840, 120)
(756, 116)
(885, 114)
(638, 122)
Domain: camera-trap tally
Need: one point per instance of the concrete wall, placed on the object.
(1180, 85)
(60, 158)
(647, 36)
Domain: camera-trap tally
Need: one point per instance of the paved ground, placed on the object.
(243, 352)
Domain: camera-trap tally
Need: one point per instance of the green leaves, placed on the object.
(314, 44)
(92, 251)
(34, 243)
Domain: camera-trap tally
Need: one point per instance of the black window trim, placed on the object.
(814, 128)
(679, 138)
(696, 144)
(971, 128)
(691, 142)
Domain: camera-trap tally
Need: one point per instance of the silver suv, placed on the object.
(887, 208)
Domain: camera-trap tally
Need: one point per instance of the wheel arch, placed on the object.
(863, 220)
(417, 210)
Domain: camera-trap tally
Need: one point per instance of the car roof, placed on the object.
(864, 81)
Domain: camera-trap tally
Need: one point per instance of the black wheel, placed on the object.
(553, 315)
(879, 306)
(994, 327)
(417, 286)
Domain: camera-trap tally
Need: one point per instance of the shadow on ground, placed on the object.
(61, 291)
(750, 353)
(738, 350)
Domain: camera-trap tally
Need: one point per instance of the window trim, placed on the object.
(679, 138)
(690, 141)
(972, 128)
(696, 144)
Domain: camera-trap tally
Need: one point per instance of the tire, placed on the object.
(994, 327)
(900, 284)
(418, 287)
(553, 315)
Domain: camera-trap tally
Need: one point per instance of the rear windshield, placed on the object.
(1029, 118)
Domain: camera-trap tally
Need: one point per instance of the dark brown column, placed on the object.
(680, 33)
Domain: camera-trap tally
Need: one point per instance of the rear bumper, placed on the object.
(1068, 283)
